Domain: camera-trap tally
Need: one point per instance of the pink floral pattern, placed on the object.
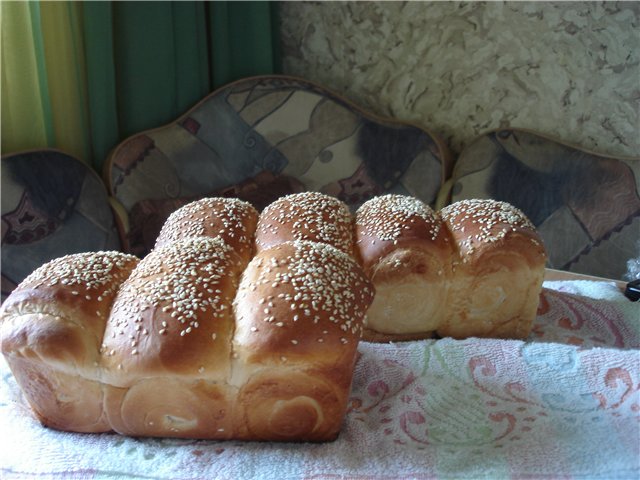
(568, 318)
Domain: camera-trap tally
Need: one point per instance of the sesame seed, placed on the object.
(307, 216)
(215, 217)
(384, 217)
(324, 287)
(493, 219)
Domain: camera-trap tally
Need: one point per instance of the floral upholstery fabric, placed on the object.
(282, 127)
(52, 205)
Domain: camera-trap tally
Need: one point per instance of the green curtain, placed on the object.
(245, 42)
(135, 65)
(43, 88)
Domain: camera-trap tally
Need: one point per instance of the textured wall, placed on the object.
(570, 70)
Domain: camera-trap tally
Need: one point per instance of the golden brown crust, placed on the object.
(480, 225)
(406, 251)
(231, 219)
(299, 310)
(173, 315)
(288, 405)
(160, 360)
(150, 351)
(306, 216)
(391, 222)
(168, 343)
(172, 407)
(300, 301)
(52, 328)
(60, 400)
(498, 271)
(58, 313)
(197, 341)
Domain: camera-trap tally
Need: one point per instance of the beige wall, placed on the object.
(566, 69)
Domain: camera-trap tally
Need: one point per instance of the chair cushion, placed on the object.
(52, 205)
(585, 205)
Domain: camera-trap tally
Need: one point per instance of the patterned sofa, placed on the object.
(263, 137)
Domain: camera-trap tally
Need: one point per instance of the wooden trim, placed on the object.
(552, 275)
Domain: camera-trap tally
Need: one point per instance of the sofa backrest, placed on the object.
(260, 138)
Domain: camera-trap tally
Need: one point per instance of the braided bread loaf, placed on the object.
(200, 339)
(246, 326)
(473, 269)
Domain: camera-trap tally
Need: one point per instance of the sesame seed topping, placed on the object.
(385, 217)
(306, 216)
(492, 220)
(95, 272)
(225, 218)
(325, 288)
(168, 283)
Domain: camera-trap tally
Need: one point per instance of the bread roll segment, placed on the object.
(299, 311)
(173, 315)
(310, 216)
(232, 220)
(52, 329)
(498, 271)
(406, 252)
(167, 344)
